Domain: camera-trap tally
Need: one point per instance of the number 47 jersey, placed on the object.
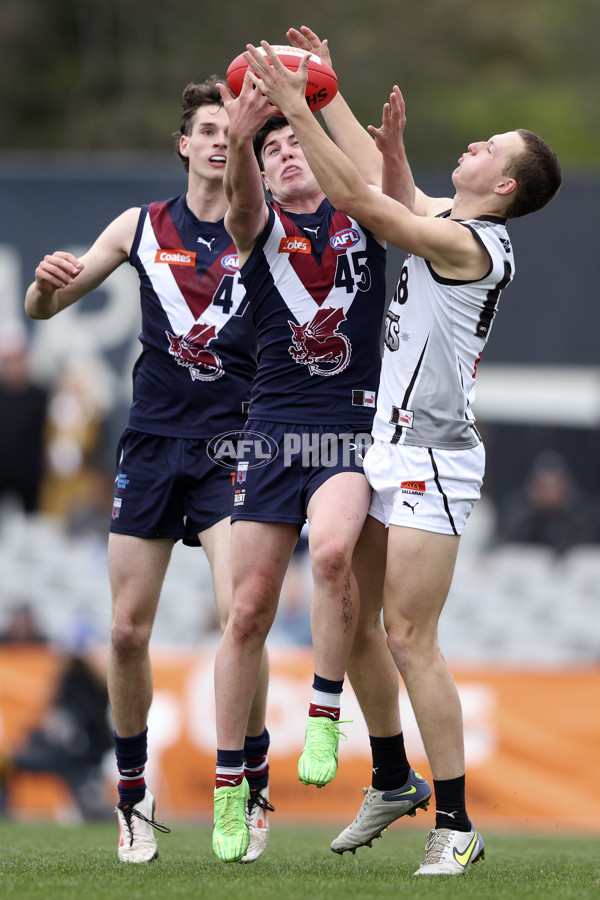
(435, 332)
(193, 376)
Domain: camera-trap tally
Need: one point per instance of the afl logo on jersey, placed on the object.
(231, 263)
(175, 257)
(348, 237)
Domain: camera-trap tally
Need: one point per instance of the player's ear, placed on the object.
(506, 186)
(265, 182)
(183, 145)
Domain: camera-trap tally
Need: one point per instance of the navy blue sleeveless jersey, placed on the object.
(316, 284)
(193, 377)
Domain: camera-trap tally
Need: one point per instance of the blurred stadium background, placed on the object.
(89, 97)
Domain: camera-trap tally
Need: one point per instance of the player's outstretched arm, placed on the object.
(247, 213)
(61, 278)
(444, 242)
(342, 124)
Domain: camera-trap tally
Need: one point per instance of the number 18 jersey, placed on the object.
(435, 332)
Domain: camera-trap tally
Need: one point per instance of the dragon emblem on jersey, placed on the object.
(319, 345)
(191, 350)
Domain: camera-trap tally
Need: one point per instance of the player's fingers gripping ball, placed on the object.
(321, 85)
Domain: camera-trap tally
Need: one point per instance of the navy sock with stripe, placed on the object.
(256, 761)
(132, 755)
(230, 768)
(326, 698)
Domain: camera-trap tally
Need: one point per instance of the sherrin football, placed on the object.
(322, 83)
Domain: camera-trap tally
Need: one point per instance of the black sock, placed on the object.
(450, 807)
(390, 765)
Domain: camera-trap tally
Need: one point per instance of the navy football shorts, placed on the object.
(283, 465)
(168, 488)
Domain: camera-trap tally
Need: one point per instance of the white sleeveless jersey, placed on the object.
(435, 331)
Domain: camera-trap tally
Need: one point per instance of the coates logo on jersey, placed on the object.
(175, 257)
(231, 263)
(319, 345)
(412, 487)
(191, 350)
(295, 243)
(348, 237)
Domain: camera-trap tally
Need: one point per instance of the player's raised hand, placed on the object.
(389, 136)
(306, 39)
(57, 270)
(285, 89)
(249, 111)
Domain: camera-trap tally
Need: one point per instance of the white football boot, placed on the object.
(137, 842)
(451, 852)
(257, 817)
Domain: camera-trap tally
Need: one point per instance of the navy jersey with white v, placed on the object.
(316, 284)
(193, 376)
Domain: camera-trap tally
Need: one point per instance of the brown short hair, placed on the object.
(194, 96)
(537, 173)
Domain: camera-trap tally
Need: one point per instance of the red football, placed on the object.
(322, 83)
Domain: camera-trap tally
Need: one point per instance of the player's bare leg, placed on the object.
(336, 514)
(217, 544)
(376, 686)
(260, 557)
(395, 790)
(420, 565)
(261, 553)
(137, 568)
(412, 607)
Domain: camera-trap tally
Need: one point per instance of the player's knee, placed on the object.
(253, 610)
(248, 630)
(402, 641)
(331, 562)
(128, 637)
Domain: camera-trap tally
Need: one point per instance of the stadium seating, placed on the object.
(515, 604)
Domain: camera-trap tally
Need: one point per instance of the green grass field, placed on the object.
(47, 860)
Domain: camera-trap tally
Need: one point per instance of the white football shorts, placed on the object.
(421, 487)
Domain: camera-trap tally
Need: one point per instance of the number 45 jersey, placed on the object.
(435, 332)
(193, 376)
(316, 284)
